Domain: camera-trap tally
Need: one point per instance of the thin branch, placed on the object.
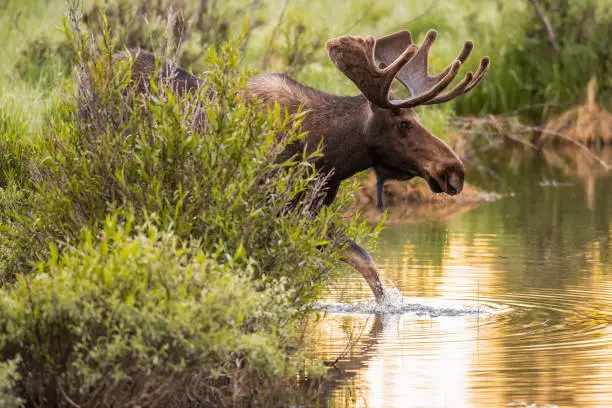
(202, 9)
(255, 5)
(211, 11)
(536, 106)
(350, 345)
(512, 133)
(264, 60)
(67, 398)
(423, 14)
(404, 24)
(363, 15)
(584, 147)
(548, 28)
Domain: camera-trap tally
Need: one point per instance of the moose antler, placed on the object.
(414, 74)
(355, 57)
(373, 64)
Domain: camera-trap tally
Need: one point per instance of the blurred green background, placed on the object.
(527, 74)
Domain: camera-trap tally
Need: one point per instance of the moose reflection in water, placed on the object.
(371, 130)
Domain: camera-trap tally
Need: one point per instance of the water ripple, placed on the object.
(395, 303)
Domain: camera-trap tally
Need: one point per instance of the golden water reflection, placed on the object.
(550, 278)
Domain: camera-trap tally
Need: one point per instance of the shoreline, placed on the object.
(413, 201)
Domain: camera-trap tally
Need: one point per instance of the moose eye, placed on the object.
(403, 125)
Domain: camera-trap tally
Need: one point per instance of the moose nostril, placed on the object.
(454, 183)
(450, 189)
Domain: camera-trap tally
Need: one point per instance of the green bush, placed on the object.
(143, 318)
(220, 181)
(8, 378)
(12, 201)
(175, 249)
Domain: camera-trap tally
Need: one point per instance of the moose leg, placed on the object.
(356, 256)
(380, 184)
(359, 259)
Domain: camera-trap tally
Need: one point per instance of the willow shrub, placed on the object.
(142, 318)
(191, 305)
(205, 165)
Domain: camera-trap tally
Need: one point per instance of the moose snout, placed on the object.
(447, 178)
(454, 182)
(452, 177)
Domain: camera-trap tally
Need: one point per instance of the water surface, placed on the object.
(537, 264)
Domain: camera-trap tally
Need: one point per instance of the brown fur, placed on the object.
(357, 135)
(144, 65)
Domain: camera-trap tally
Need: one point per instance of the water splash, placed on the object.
(394, 303)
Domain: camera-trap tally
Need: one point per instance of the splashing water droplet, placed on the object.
(394, 303)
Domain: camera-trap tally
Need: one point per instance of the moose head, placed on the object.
(401, 147)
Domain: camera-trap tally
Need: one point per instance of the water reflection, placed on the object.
(543, 254)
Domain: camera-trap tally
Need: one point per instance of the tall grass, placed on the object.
(31, 72)
(528, 72)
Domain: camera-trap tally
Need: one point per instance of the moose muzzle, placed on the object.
(447, 178)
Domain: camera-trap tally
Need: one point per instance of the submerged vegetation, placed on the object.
(147, 261)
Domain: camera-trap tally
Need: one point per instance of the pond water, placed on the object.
(509, 304)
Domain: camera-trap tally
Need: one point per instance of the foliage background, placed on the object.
(288, 35)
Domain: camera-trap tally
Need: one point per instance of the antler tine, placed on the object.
(425, 89)
(422, 98)
(399, 63)
(480, 73)
(457, 90)
(354, 56)
(373, 64)
(467, 84)
(463, 55)
(414, 73)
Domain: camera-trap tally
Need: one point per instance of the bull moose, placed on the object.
(371, 130)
